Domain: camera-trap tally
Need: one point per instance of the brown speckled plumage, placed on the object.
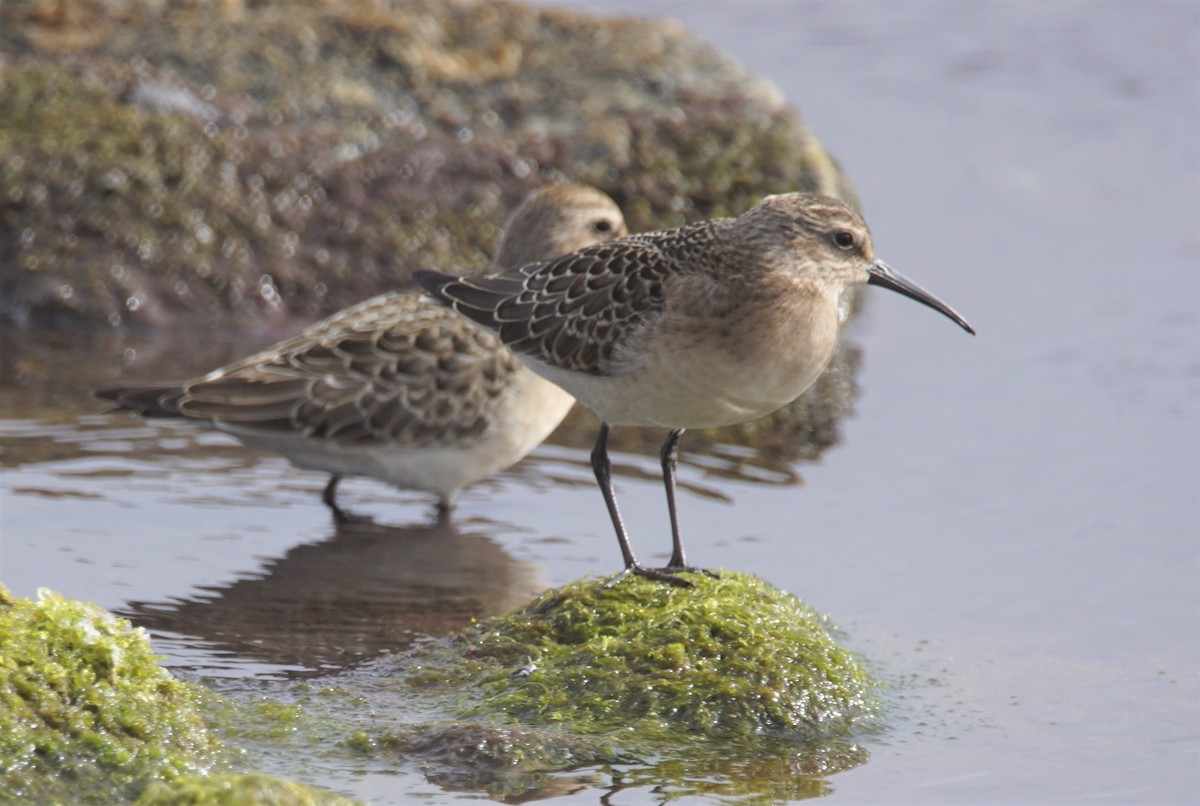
(707, 325)
(394, 373)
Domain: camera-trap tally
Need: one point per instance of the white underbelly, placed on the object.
(700, 364)
(692, 390)
(532, 409)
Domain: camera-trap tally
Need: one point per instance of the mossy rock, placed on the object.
(87, 713)
(88, 716)
(237, 790)
(244, 162)
(728, 657)
(256, 166)
(731, 688)
(732, 680)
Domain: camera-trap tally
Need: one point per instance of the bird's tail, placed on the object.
(149, 400)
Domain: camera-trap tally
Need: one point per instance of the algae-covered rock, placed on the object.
(729, 657)
(86, 712)
(731, 688)
(731, 682)
(215, 160)
(88, 716)
(237, 790)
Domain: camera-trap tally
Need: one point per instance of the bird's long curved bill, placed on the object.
(881, 274)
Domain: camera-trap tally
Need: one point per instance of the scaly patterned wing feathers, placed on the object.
(570, 312)
(388, 369)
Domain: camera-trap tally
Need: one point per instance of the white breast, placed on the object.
(693, 373)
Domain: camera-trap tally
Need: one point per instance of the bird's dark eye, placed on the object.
(602, 225)
(844, 239)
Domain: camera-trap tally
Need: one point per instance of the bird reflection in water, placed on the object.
(328, 606)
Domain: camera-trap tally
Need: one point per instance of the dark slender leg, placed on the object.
(329, 497)
(329, 494)
(670, 453)
(603, 470)
(602, 467)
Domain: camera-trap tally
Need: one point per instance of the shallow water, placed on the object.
(1010, 522)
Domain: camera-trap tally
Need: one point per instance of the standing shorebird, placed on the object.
(711, 324)
(396, 387)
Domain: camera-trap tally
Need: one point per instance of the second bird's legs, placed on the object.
(329, 496)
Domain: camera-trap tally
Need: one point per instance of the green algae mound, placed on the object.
(86, 712)
(236, 790)
(732, 656)
(731, 687)
(88, 716)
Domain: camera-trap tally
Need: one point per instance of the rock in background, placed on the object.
(229, 163)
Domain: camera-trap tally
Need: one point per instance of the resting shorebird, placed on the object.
(398, 388)
(711, 324)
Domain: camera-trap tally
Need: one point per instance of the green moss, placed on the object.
(728, 657)
(257, 161)
(731, 687)
(235, 790)
(88, 715)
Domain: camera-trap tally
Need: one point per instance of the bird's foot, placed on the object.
(667, 575)
(344, 517)
(689, 569)
(341, 517)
